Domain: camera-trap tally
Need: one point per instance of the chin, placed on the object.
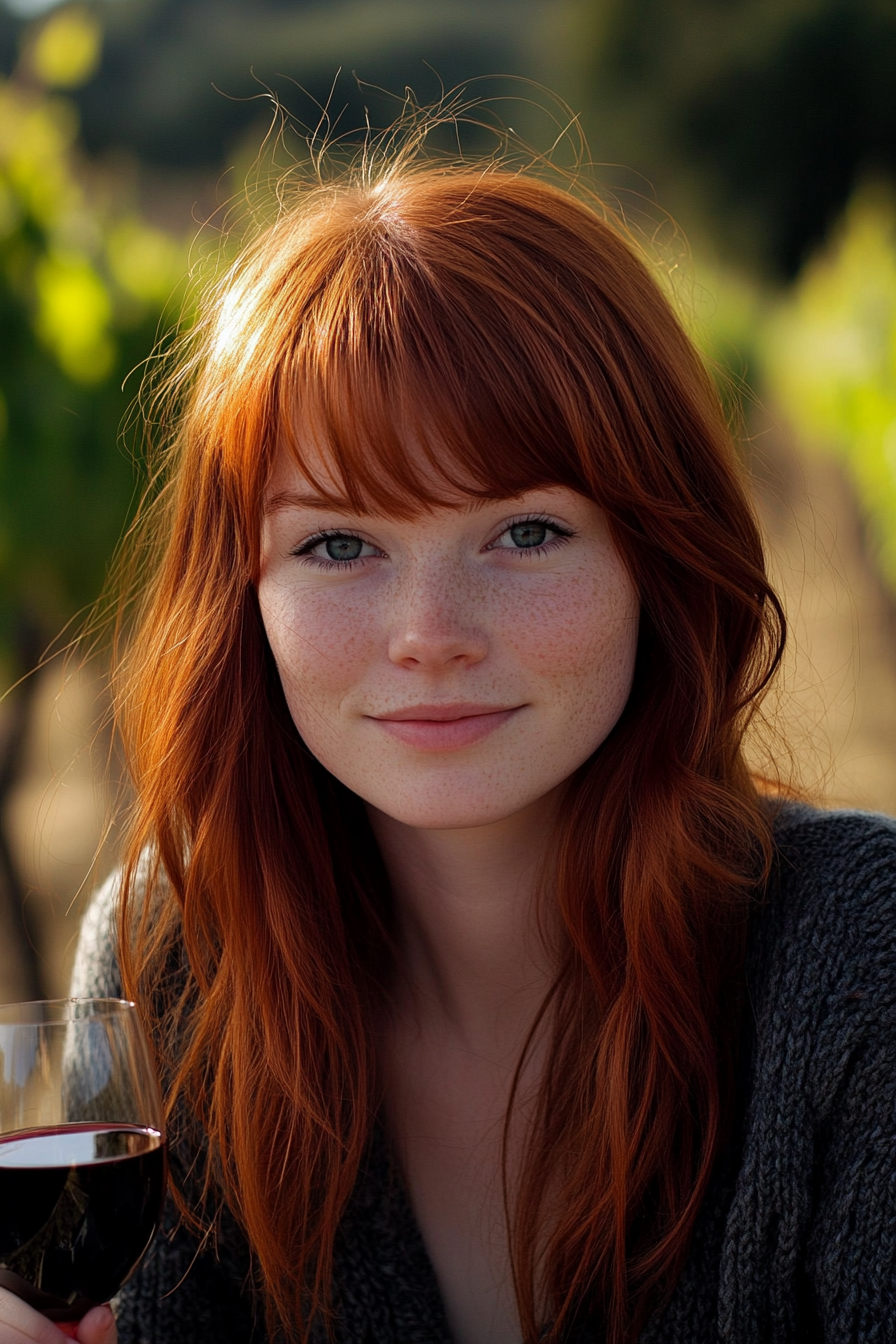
(447, 814)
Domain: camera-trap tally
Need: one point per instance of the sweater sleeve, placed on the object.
(184, 1291)
(851, 1247)
(810, 1248)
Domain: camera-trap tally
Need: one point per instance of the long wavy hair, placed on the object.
(513, 330)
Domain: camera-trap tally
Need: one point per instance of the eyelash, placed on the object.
(303, 552)
(561, 533)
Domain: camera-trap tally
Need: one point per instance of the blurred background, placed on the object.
(751, 142)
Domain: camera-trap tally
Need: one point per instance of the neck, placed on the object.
(468, 919)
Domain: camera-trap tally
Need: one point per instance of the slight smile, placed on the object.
(444, 727)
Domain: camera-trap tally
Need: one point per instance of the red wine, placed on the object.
(78, 1207)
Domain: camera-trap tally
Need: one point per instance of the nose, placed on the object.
(435, 624)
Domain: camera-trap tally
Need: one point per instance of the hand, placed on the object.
(19, 1324)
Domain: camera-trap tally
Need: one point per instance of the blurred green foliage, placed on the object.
(822, 352)
(829, 358)
(761, 123)
(183, 82)
(725, 313)
(84, 282)
(759, 117)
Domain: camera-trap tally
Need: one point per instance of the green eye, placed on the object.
(343, 548)
(527, 535)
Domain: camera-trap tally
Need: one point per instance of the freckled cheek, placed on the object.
(320, 647)
(577, 632)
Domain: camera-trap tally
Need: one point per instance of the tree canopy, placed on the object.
(769, 111)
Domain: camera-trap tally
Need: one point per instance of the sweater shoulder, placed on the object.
(95, 974)
(801, 829)
(835, 871)
(825, 937)
(810, 1236)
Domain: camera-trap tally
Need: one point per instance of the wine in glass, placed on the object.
(82, 1153)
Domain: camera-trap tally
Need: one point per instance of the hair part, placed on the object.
(513, 335)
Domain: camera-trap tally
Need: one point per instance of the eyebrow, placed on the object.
(293, 499)
(290, 499)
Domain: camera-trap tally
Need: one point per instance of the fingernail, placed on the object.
(104, 1321)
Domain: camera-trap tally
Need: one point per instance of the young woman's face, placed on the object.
(455, 668)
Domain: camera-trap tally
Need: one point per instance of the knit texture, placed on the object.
(796, 1239)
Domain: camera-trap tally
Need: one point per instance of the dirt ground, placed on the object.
(835, 705)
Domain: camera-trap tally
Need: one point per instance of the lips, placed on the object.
(444, 727)
(442, 713)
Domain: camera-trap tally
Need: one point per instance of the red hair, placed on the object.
(513, 330)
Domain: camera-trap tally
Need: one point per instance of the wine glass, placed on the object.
(82, 1153)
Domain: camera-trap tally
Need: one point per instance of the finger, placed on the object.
(98, 1327)
(21, 1324)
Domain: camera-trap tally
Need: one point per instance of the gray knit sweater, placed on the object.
(796, 1240)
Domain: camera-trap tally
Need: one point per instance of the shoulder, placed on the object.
(821, 968)
(810, 1245)
(837, 840)
(822, 962)
(95, 974)
(834, 885)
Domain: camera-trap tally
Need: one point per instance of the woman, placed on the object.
(493, 1001)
